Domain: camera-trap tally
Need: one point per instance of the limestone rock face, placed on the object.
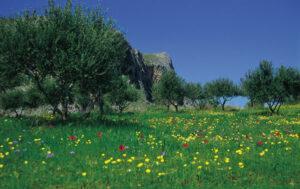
(146, 69)
(159, 63)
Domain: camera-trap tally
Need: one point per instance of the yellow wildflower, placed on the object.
(108, 161)
(216, 150)
(241, 165)
(140, 165)
(239, 151)
(226, 160)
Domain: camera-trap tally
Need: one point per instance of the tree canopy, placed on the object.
(170, 90)
(67, 46)
(195, 93)
(221, 91)
(271, 86)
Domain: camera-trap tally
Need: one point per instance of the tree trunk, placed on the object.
(101, 105)
(16, 113)
(251, 103)
(277, 107)
(100, 102)
(121, 109)
(271, 109)
(223, 105)
(54, 111)
(176, 108)
(64, 114)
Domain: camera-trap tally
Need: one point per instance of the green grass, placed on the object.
(37, 153)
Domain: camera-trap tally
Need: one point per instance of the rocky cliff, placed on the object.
(144, 70)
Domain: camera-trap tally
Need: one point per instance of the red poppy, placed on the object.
(277, 133)
(260, 143)
(122, 147)
(72, 137)
(185, 145)
(99, 134)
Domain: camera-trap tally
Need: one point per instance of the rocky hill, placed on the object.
(146, 69)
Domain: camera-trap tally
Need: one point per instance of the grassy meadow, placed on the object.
(157, 149)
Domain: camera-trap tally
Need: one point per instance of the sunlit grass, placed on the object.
(153, 150)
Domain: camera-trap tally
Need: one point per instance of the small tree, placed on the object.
(20, 98)
(271, 86)
(221, 91)
(196, 94)
(123, 94)
(170, 90)
(32, 97)
(13, 100)
(249, 87)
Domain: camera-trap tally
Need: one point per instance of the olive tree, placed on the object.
(67, 46)
(123, 94)
(170, 90)
(195, 93)
(221, 91)
(271, 86)
(20, 98)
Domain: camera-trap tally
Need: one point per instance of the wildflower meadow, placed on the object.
(189, 149)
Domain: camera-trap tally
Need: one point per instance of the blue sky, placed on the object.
(206, 39)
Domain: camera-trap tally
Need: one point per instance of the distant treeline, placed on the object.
(265, 85)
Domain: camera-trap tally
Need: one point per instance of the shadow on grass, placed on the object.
(261, 112)
(113, 120)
